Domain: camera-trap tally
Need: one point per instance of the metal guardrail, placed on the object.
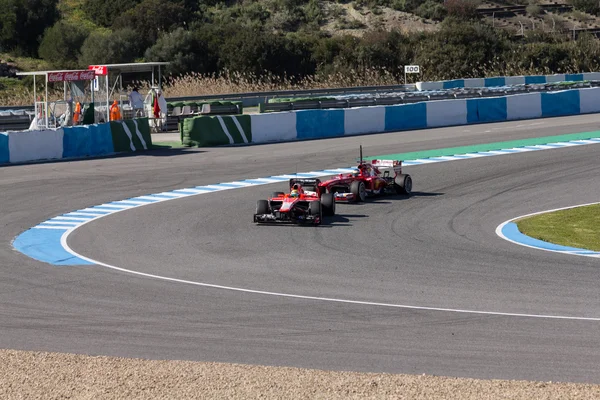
(253, 99)
(407, 98)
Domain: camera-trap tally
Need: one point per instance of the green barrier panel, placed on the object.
(131, 135)
(207, 131)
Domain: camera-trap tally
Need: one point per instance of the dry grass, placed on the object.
(197, 84)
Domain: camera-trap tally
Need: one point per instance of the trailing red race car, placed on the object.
(369, 179)
(298, 206)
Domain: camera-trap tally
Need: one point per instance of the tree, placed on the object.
(184, 50)
(62, 43)
(150, 18)
(105, 47)
(104, 12)
(23, 22)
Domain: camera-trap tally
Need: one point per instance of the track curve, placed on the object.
(435, 249)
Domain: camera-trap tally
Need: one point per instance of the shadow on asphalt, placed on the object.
(387, 199)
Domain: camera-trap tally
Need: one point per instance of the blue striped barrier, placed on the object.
(62, 143)
(316, 124)
(499, 81)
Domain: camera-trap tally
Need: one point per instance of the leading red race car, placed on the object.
(369, 179)
(298, 206)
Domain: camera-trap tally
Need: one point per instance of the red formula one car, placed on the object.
(369, 179)
(298, 206)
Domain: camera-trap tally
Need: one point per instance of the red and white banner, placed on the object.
(99, 69)
(70, 76)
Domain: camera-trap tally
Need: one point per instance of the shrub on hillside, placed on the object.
(184, 50)
(432, 9)
(62, 43)
(588, 6)
(104, 12)
(23, 22)
(465, 9)
(105, 47)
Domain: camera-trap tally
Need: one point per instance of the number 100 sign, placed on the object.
(411, 69)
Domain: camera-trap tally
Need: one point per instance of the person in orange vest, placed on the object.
(115, 112)
(77, 113)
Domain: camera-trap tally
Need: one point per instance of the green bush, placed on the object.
(185, 51)
(62, 43)
(23, 22)
(105, 47)
(432, 9)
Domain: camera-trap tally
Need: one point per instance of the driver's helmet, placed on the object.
(296, 190)
(356, 173)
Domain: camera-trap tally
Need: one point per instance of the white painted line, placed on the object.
(566, 144)
(218, 187)
(266, 180)
(327, 299)
(225, 130)
(471, 155)
(239, 183)
(51, 227)
(97, 209)
(70, 218)
(155, 199)
(70, 223)
(237, 124)
(119, 207)
(85, 213)
(136, 203)
(171, 194)
(424, 161)
(193, 191)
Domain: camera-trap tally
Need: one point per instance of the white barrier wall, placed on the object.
(589, 100)
(364, 120)
(446, 113)
(264, 130)
(523, 106)
(35, 145)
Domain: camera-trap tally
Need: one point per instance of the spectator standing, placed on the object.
(137, 102)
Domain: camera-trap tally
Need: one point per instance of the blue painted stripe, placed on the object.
(149, 201)
(256, 181)
(453, 84)
(279, 178)
(560, 103)
(231, 185)
(316, 124)
(472, 112)
(573, 77)
(496, 81)
(511, 231)
(406, 117)
(206, 188)
(4, 153)
(533, 79)
(44, 245)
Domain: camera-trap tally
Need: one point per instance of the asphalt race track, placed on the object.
(418, 285)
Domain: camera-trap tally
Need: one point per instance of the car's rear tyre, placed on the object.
(316, 210)
(357, 188)
(262, 207)
(328, 203)
(277, 194)
(403, 184)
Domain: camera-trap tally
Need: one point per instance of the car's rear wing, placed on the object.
(310, 184)
(396, 165)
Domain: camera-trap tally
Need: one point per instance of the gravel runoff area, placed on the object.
(41, 375)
